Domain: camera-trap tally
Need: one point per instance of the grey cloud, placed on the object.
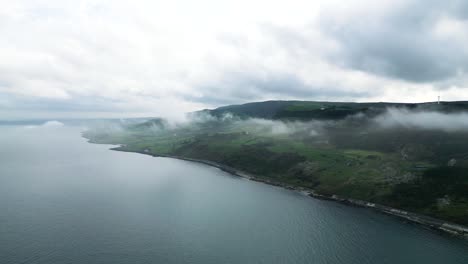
(459, 8)
(236, 87)
(400, 44)
(74, 104)
(87, 57)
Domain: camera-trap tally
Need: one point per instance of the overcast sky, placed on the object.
(115, 58)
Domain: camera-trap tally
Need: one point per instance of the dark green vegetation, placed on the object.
(356, 150)
(307, 110)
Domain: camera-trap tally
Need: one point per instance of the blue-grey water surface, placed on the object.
(63, 200)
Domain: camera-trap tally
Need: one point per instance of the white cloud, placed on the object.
(142, 57)
(423, 120)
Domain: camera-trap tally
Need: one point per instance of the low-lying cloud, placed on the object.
(430, 120)
(53, 123)
(390, 119)
(277, 127)
(47, 124)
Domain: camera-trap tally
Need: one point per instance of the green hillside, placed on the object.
(307, 110)
(333, 148)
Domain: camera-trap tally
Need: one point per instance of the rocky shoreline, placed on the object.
(426, 221)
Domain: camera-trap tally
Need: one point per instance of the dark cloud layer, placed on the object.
(400, 43)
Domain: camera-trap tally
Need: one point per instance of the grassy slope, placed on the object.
(349, 163)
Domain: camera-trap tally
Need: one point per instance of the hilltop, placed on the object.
(307, 110)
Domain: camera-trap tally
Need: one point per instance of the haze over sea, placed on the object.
(63, 200)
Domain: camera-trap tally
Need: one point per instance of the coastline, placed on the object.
(422, 220)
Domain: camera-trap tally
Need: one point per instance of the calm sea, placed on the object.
(63, 200)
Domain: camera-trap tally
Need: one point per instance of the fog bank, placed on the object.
(453, 122)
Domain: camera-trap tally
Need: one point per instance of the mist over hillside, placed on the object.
(411, 156)
(425, 129)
